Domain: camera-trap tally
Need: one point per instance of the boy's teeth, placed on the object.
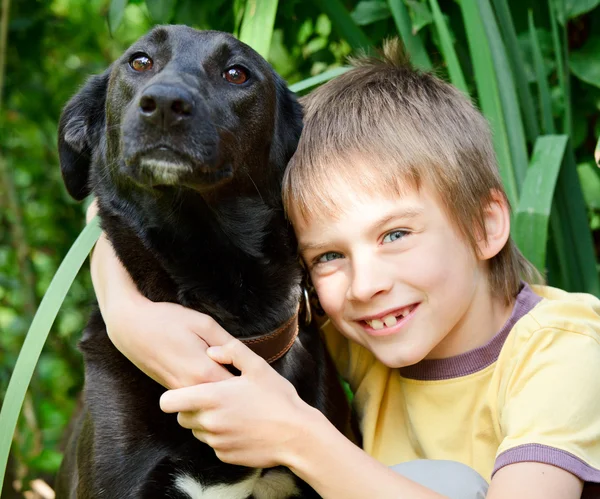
(376, 324)
(390, 320)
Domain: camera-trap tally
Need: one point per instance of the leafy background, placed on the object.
(533, 67)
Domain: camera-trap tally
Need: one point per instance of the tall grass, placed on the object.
(537, 165)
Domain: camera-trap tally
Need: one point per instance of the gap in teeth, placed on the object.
(388, 320)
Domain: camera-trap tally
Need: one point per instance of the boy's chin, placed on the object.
(397, 358)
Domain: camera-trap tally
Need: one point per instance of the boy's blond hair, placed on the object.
(384, 126)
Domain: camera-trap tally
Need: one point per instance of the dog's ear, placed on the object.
(288, 125)
(79, 130)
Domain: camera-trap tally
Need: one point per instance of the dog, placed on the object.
(184, 141)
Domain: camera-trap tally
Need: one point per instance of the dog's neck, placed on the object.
(234, 259)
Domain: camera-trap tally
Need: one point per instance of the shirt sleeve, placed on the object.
(549, 410)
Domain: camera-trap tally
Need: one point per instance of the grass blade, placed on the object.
(314, 81)
(561, 55)
(345, 25)
(571, 233)
(513, 121)
(489, 96)
(515, 58)
(412, 42)
(36, 337)
(535, 205)
(454, 69)
(257, 25)
(542, 82)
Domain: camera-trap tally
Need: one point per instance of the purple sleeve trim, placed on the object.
(538, 453)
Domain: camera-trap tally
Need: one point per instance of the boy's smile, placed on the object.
(394, 275)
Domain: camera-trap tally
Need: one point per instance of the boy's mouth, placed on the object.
(389, 319)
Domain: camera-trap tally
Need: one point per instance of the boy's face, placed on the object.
(395, 276)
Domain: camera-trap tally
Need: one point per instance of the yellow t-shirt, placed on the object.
(531, 394)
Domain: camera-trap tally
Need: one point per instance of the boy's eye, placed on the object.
(394, 235)
(328, 257)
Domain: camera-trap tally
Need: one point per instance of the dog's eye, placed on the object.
(235, 75)
(141, 62)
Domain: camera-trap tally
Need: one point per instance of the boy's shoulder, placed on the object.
(560, 319)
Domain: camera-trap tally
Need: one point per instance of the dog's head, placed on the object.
(181, 107)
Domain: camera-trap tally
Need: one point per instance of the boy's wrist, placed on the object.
(312, 430)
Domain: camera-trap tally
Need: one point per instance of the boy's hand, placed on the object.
(254, 419)
(168, 342)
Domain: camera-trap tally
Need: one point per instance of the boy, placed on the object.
(404, 227)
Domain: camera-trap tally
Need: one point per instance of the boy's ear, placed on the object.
(497, 226)
(81, 125)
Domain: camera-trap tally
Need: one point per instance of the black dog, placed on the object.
(184, 141)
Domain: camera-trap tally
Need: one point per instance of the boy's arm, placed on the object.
(530, 480)
(164, 340)
(336, 468)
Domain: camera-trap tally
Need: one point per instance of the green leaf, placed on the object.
(489, 94)
(589, 178)
(585, 63)
(412, 42)
(573, 8)
(160, 11)
(314, 81)
(257, 25)
(370, 11)
(561, 54)
(344, 24)
(513, 121)
(420, 14)
(515, 58)
(533, 212)
(454, 69)
(37, 334)
(571, 233)
(542, 82)
(115, 14)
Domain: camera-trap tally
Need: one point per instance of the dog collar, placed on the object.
(275, 345)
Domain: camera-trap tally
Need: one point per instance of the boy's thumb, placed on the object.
(237, 354)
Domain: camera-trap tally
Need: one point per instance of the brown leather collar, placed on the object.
(275, 345)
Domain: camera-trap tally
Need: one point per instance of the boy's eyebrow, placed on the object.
(405, 213)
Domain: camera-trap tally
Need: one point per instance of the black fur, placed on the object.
(215, 239)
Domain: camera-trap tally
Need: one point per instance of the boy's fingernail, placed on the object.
(213, 351)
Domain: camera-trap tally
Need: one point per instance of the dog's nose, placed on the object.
(165, 106)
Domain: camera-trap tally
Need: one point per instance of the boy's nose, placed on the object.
(368, 281)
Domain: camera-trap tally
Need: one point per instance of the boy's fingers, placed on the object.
(190, 398)
(237, 354)
(208, 329)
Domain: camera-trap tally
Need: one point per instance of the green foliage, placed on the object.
(533, 67)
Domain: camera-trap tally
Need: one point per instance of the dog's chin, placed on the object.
(162, 169)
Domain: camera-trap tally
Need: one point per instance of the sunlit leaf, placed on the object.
(540, 72)
(585, 63)
(456, 75)
(344, 24)
(412, 41)
(420, 14)
(568, 9)
(370, 11)
(257, 25)
(515, 58)
(115, 14)
(160, 10)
